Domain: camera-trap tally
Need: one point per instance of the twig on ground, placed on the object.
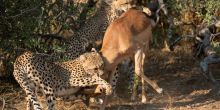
(3, 103)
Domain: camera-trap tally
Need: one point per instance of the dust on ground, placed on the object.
(176, 72)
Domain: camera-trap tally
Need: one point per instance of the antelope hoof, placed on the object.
(109, 90)
(159, 90)
(100, 101)
(144, 100)
(132, 98)
(115, 94)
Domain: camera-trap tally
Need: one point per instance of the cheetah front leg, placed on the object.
(102, 84)
(91, 81)
(101, 87)
(114, 81)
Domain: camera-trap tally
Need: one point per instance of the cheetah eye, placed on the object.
(96, 68)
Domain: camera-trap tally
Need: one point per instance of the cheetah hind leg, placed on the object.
(31, 96)
(32, 100)
(50, 101)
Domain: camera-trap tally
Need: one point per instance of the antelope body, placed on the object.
(128, 37)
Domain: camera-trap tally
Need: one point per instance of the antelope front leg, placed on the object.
(143, 95)
(143, 92)
(139, 57)
(139, 69)
(135, 85)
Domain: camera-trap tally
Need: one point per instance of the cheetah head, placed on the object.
(120, 5)
(92, 62)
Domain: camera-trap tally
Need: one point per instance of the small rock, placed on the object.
(188, 106)
(214, 107)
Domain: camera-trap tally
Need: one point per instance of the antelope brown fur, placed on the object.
(128, 37)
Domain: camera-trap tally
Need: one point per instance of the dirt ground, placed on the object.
(176, 72)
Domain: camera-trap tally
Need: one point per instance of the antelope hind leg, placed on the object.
(139, 71)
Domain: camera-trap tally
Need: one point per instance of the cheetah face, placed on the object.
(92, 63)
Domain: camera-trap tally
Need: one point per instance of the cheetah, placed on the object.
(57, 79)
(92, 32)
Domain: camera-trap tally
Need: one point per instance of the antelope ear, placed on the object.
(82, 57)
(93, 50)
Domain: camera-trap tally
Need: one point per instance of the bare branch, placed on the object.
(52, 36)
(196, 33)
(3, 103)
(25, 11)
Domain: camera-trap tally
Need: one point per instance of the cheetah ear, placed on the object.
(217, 24)
(93, 50)
(82, 57)
(108, 1)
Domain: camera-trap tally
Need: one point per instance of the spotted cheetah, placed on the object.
(93, 30)
(57, 79)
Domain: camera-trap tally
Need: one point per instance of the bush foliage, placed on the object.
(42, 26)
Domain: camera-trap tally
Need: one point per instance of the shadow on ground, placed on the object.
(176, 72)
